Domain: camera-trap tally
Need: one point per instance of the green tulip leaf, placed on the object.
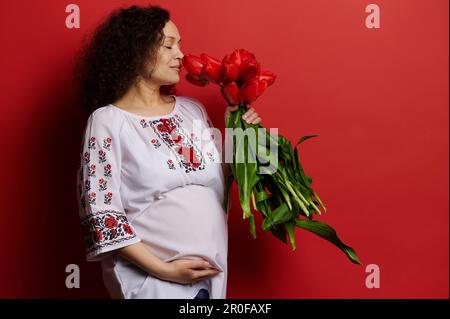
(327, 232)
(290, 228)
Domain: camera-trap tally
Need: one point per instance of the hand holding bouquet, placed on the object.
(281, 191)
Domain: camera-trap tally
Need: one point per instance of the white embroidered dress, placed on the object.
(157, 180)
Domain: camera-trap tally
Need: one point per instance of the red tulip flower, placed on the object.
(252, 89)
(193, 65)
(202, 70)
(196, 80)
(212, 69)
(245, 62)
(238, 75)
(267, 76)
(230, 93)
(229, 69)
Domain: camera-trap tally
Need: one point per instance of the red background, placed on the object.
(377, 97)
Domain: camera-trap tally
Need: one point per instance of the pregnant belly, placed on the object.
(188, 223)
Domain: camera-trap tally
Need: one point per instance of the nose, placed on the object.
(180, 54)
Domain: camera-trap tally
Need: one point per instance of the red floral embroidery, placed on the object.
(179, 118)
(127, 229)
(155, 143)
(92, 198)
(210, 156)
(91, 144)
(176, 138)
(107, 170)
(104, 228)
(97, 235)
(170, 164)
(107, 143)
(144, 123)
(86, 158)
(111, 222)
(167, 123)
(102, 185)
(162, 128)
(91, 170)
(108, 198)
(189, 155)
(101, 156)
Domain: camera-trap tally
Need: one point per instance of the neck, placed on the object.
(143, 95)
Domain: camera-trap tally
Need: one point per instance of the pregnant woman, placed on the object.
(150, 192)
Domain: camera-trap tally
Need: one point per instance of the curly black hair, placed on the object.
(120, 50)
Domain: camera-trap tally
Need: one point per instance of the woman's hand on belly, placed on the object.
(185, 271)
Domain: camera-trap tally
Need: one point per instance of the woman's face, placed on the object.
(168, 65)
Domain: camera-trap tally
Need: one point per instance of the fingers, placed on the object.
(197, 270)
(251, 116)
(257, 120)
(199, 264)
(203, 274)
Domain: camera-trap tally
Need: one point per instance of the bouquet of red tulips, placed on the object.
(282, 195)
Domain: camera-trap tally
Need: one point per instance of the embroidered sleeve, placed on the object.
(103, 218)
